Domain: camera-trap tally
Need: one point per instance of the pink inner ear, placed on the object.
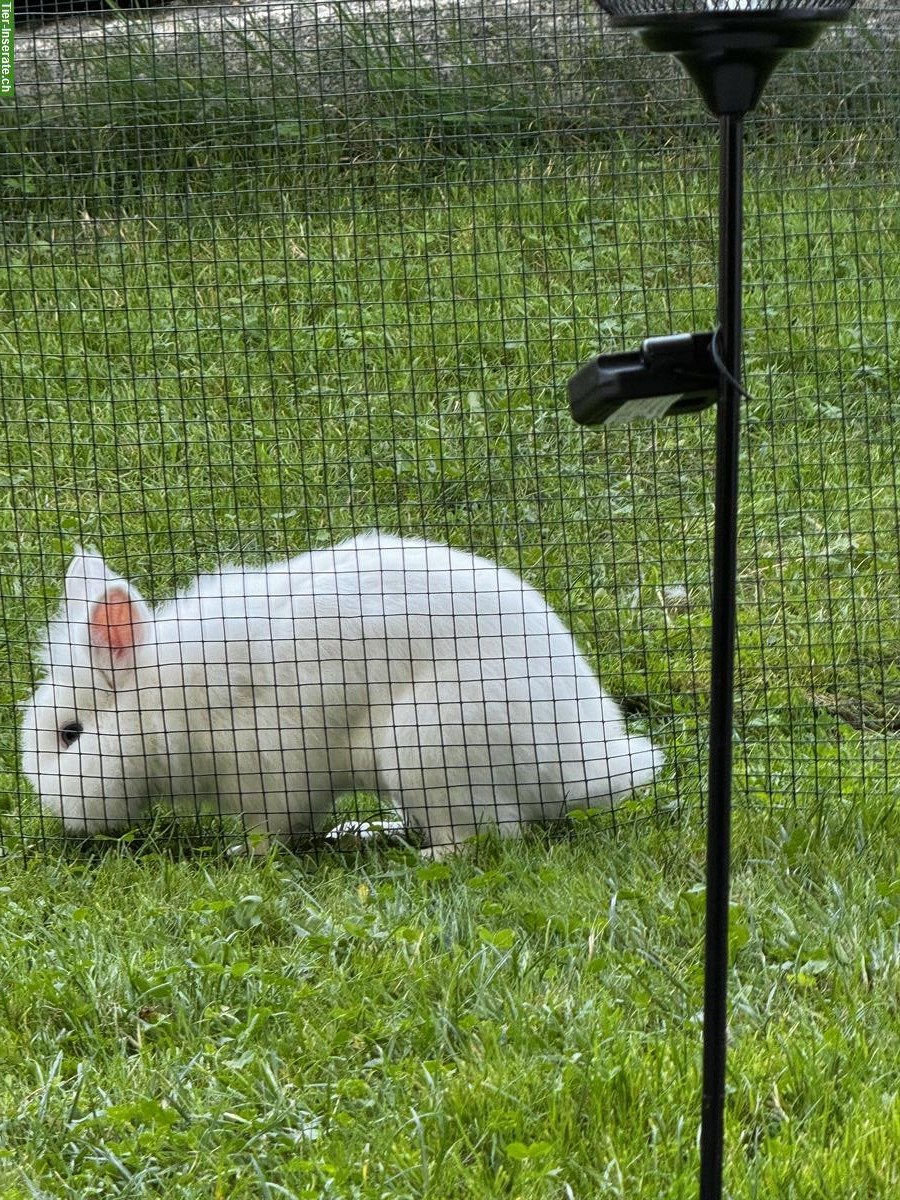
(113, 622)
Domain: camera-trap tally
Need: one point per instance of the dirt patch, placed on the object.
(861, 712)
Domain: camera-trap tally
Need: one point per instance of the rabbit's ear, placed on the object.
(110, 614)
(117, 625)
(86, 576)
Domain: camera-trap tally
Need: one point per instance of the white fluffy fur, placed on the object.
(432, 677)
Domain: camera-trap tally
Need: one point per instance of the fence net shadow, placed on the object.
(276, 275)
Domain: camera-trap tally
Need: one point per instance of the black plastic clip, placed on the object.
(672, 374)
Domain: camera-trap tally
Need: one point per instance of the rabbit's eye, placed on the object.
(71, 733)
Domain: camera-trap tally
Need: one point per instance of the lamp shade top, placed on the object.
(637, 9)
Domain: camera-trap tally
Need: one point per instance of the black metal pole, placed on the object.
(724, 606)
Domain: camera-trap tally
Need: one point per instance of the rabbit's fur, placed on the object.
(432, 677)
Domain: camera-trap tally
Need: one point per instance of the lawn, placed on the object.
(247, 358)
(520, 1023)
(247, 384)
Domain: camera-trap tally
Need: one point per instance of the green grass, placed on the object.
(181, 392)
(520, 1023)
(523, 1022)
(218, 342)
(110, 121)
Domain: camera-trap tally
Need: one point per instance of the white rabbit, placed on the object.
(432, 677)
